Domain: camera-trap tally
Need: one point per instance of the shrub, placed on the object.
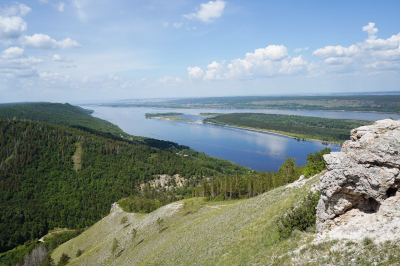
(79, 253)
(124, 219)
(139, 205)
(367, 241)
(114, 247)
(299, 217)
(64, 260)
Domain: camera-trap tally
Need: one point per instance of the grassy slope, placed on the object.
(239, 232)
(58, 114)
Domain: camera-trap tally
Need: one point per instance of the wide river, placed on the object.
(257, 150)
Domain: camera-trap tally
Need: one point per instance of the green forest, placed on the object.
(39, 189)
(42, 188)
(58, 114)
(301, 127)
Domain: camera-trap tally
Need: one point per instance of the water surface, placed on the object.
(257, 150)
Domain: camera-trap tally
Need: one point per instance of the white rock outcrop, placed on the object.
(362, 176)
(114, 207)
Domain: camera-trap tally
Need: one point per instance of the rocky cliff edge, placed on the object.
(360, 185)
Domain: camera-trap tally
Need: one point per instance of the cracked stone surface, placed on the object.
(363, 175)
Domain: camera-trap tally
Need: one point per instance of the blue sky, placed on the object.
(83, 50)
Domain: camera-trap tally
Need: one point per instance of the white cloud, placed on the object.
(165, 24)
(41, 41)
(177, 25)
(14, 64)
(50, 76)
(370, 28)
(19, 10)
(195, 72)
(273, 60)
(12, 52)
(11, 28)
(336, 51)
(297, 50)
(61, 58)
(112, 77)
(170, 79)
(208, 11)
(61, 6)
(215, 70)
(363, 56)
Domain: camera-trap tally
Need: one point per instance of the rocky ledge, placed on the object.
(362, 179)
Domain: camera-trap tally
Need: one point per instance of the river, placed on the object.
(257, 150)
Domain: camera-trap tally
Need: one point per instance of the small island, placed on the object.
(325, 130)
(154, 115)
(171, 116)
(209, 114)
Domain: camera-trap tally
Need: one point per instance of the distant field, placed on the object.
(301, 127)
(364, 103)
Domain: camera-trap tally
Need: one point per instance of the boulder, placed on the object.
(363, 174)
(114, 206)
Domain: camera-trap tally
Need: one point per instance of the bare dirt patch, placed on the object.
(77, 157)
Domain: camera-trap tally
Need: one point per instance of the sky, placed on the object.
(103, 50)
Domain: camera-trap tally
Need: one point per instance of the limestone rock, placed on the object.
(363, 174)
(114, 206)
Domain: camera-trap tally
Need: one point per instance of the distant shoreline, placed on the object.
(276, 133)
(241, 108)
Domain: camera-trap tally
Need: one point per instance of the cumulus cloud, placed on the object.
(170, 79)
(19, 10)
(273, 60)
(61, 58)
(215, 70)
(42, 41)
(195, 72)
(208, 11)
(11, 28)
(373, 53)
(177, 25)
(12, 53)
(370, 28)
(47, 75)
(14, 63)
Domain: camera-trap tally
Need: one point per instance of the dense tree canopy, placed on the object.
(40, 190)
(325, 129)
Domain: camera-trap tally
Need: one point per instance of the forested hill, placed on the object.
(59, 114)
(58, 176)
